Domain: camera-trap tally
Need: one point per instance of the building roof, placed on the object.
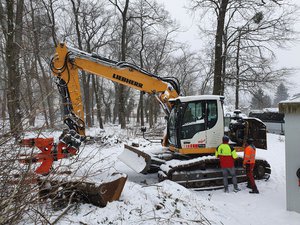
(290, 106)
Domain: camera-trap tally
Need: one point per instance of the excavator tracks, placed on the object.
(198, 173)
(205, 174)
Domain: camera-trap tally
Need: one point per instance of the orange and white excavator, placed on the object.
(195, 124)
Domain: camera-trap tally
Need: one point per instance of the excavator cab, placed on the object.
(195, 124)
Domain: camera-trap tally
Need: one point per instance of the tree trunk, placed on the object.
(85, 78)
(107, 103)
(121, 105)
(46, 80)
(48, 89)
(13, 47)
(98, 101)
(87, 101)
(29, 71)
(237, 84)
(140, 114)
(151, 111)
(141, 100)
(51, 18)
(217, 89)
(116, 103)
(4, 74)
(156, 110)
(42, 97)
(122, 88)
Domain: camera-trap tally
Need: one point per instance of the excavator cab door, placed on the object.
(173, 123)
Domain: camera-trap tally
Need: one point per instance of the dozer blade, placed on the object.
(136, 159)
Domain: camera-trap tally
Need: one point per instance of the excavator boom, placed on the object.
(68, 61)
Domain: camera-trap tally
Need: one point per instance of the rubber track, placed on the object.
(206, 174)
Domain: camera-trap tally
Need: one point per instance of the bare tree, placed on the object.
(3, 77)
(49, 6)
(40, 43)
(186, 68)
(95, 35)
(92, 26)
(85, 78)
(252, 39)
(149, 17)
(12, 27)
(121, 89)
(220, 8)
(107, 92)
(250, 31)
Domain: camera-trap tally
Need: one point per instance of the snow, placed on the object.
(146, 201)
(293, 100)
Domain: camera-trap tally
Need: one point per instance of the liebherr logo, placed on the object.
(128, 81)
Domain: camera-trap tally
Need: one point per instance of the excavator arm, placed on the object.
(65, 66)
(67, 62)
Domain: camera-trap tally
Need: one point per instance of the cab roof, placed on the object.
(197, 98)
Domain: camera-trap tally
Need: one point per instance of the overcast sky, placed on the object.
(285, 58)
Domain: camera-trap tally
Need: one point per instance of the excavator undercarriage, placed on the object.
(202, 171)
(205, 173)
(194, 172)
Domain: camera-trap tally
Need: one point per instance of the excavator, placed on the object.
(195, 124)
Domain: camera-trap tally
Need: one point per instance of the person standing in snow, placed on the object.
(249, 163)
(227, 155)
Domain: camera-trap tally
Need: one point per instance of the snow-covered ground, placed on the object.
(145, 201)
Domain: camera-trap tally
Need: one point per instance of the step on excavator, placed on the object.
(194, 125)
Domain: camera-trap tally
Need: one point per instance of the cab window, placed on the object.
(198, 116)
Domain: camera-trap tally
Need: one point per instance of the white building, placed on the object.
(291, 109)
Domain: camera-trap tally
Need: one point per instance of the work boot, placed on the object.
(226, 190)
(255, 191)
(236, 189)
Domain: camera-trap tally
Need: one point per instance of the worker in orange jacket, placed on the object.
(249, 163)
(227, 155)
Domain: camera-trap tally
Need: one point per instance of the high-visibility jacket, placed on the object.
(227, 154)
(249, 154)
